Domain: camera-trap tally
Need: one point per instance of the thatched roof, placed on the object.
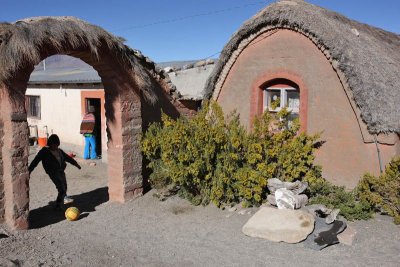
(22, 44)
(367, 59)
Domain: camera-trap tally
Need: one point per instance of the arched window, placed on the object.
(288, 93)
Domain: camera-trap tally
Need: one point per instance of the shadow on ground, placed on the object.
(85, 202)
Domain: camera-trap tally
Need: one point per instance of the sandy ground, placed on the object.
(147, 232)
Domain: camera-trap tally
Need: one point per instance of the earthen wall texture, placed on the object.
(344, 156)
(14, 151)
(1, 176)
(124, 125)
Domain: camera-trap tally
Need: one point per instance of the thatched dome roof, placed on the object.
(26, 42)
(367, 59)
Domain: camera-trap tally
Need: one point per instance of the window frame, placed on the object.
(28, 105)
(283, 97)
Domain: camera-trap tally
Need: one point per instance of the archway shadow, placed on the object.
(85, 202)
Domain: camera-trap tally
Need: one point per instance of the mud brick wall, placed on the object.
(124, 156)
(188, 108)
(15, 172)
(1, 177)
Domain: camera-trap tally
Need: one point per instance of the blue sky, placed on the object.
(184, 29)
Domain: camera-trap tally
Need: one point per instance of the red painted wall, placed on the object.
(324, 106)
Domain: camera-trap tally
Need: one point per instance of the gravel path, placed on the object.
(147, 232)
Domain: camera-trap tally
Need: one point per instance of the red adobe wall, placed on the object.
(324, 103)
(14, 202)
(2, 193)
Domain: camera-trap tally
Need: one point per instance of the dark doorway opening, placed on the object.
(96, 103)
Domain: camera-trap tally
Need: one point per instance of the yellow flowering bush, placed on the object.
(213, 158)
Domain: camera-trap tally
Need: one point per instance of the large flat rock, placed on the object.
(290, 226)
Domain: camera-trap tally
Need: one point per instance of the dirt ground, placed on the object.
(148, 232)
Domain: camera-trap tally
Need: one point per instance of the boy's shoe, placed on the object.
(68, 200)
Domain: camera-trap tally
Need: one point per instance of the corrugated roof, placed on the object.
(65, 75)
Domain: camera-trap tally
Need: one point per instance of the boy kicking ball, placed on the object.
(54, 163)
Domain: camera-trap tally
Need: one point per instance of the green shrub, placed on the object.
(196, 154)
(213, 158)
(269, 154)
(383, 192)
(336, 197)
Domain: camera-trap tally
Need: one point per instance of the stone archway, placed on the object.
(127, 84)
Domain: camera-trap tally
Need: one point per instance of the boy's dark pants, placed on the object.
(60, 182)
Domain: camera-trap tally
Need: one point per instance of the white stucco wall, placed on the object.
(61, 113)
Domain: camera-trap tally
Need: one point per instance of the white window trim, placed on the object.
(283, 99)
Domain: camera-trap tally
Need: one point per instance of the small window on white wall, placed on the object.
(33, 106)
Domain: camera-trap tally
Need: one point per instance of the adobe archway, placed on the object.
(127, 84)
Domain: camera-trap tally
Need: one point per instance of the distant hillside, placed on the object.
(68, 62)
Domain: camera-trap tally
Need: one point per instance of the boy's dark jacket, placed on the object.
(50, 163)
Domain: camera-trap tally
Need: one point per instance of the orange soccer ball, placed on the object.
(72, 214)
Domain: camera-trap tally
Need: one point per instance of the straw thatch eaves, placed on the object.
(366, 59)
(21, 43)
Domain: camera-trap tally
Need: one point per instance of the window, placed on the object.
(33, 106)
(289, 96)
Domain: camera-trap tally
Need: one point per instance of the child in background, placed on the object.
(88, 129)
(53, 160)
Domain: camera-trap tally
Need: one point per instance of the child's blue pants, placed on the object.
(90, 147)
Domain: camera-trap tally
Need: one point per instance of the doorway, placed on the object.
(96, 103)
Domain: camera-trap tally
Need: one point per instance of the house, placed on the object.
(58, 96)
(69, 84)
(339, 76)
